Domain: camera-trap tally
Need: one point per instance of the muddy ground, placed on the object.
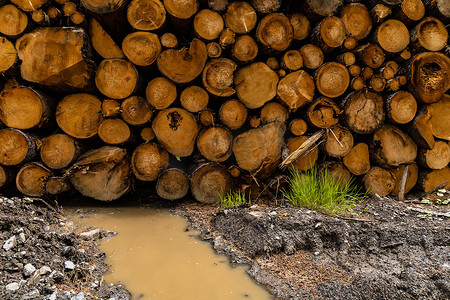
(385, 250)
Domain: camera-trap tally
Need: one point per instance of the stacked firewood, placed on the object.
(210, 95)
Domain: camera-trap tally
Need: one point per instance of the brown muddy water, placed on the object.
(155, 257)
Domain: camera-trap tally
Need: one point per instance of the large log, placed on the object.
(173, 184)
(161, 92)
(323, 113)
(357, 160)
(411, 178)
(146, 14)
(59, 151)
(194, 99)
(432, 179)
(17, 147)
(436, 158)
(233, 114)
(332, 79)
(275, 32)
(379, 181)
(31, 179)
(439, 120)
(210, 182)
(116, 78)
(218, 77)
(13, 21)
(357, 20)
(136, 111)
(214, 143)
(102, 174)
(240, 17)
(141, 48)
(149, 161)
(63, 63)
(296, 89)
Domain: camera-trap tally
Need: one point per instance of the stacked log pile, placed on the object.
(209, 95)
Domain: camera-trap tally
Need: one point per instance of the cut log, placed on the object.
(142, 48)
(233, 114)
(7, 177)
(329, 33)
(298, 127)
(439, 9)
(102, 41)
(25, 108)
(357, 20)
(102, 7)
(116, 78)
(391, 147)
(430, 76)
(208, 24)
(357, 160)
(146, 14)
(169, 40)
(367, 72)
(136, 111)
(176, 129)
(260, 148)
(273, 63)
(254, 121)
(183, 66)
(77, 18)
(255, 84)
(312, 56)
(431, 179)
(332, 79)
(13, 22)
(358, 83)
(301, 26)
(69, 8)
(275, 32)
(161, 92)
(350, 43)
(363, 111)
(410, 11)
(102, 174)
(379, 181)
(322, 8)
(218, 5)
(194, 99)
(244, 49)
(347, 58)
(79, 115)
(114, 132)
(421, 130)
(207, 117)
(292, 60)
(296, 89)
(40, 17)
(266, 6)
(339, 141)
(214, 143)
(181, 9)
(218, 77)
(393, 36)
(31, 179)
(227, 38)
(59, 151)
(430, 34)
(172, 184)
(214, 50)
(240, 17)
(372, 55)
(57, 185)
(210, 182)
(307, 160)
(29, 5)
(411, 178)
(354, 70)
(8, 55)
(147, 134)
(273, 111)
(436, 158)
(439, 120)
(338, 173)
(401, 107)
(323, 113)
(63, 63)
(149, 161)
(110, 108)
(17, 147)
(377, 83)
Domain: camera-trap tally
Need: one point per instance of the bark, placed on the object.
(31, 179)
(233, 114)
(59, 151)
(136, 111)
(64, 63)
(210, 182)
(79, 115)
(149, 161)
(161, 92)
(357, 160)
(391, 147)
(102, 174)
(194, 99)
(296, 89)
(379, 181)
(218, 77)
(214, 143)
(173, 184)
(17, 147)
(176, 129)
(184, 65)
(116, 78)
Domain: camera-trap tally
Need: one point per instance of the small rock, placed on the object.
(440, 194)
(10, 243)
(46, 228)
(22, 237)
(34, 294)
(45, 270)
(68, 265)
(80, 296)
(51, 297)
(272, 213)
(12, 287)
(28, 270)
(10, 202)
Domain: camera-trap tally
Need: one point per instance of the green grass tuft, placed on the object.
(234, 198)
(317, 190)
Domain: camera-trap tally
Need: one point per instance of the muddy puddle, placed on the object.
(156, 257)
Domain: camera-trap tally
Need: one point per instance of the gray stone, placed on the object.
(28, 270)
(22, 237)
(12, 287)
(80, 296)
(34, 294)
(68, 265)
(44, 270)
(272, 213)
(10, 243)
(51, 297)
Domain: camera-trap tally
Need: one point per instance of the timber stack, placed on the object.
(204, 96)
